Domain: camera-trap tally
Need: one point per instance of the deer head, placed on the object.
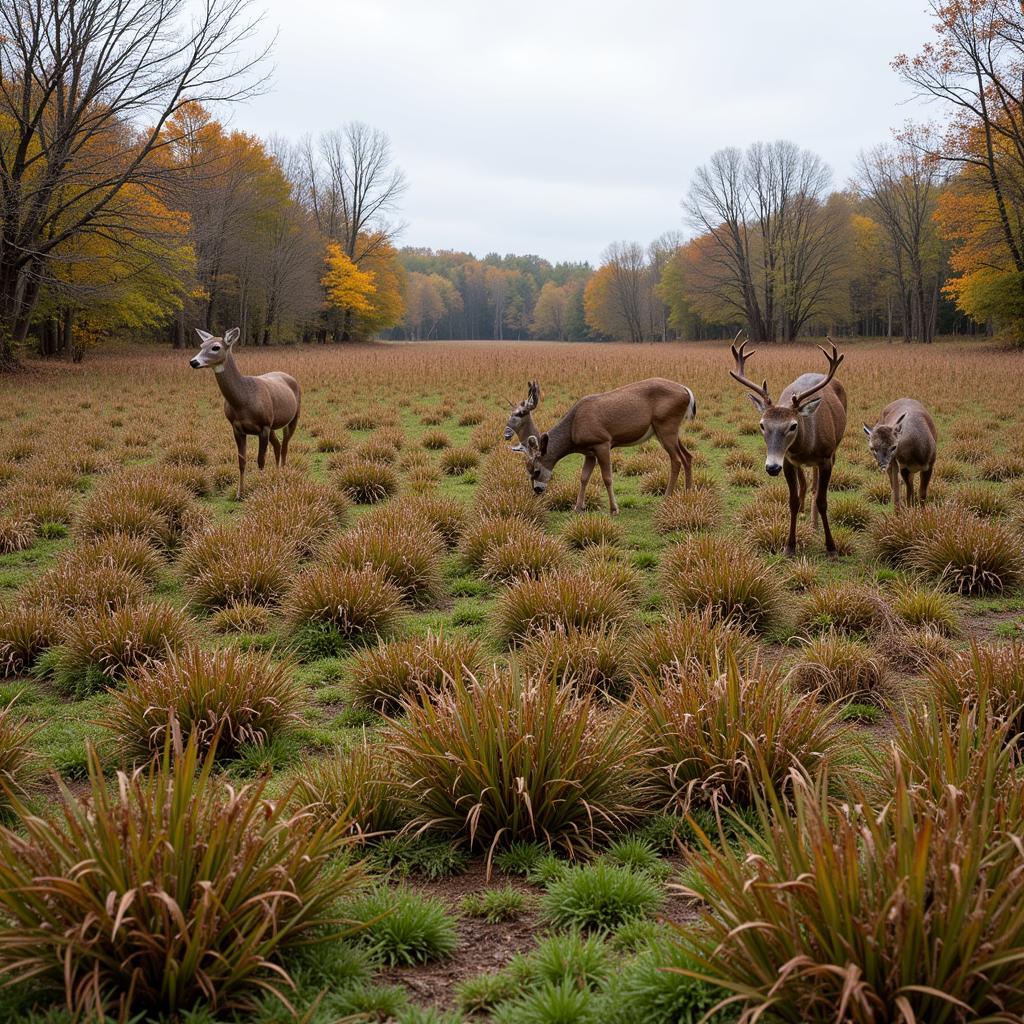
(883, 440)
(213, 351)
(780, 424)
(537, 467)
(520, 415)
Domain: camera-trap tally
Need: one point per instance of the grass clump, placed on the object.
(926, 607)
(17, 758)
(365, 482)
(720, 575)
(592, 528)
(17, 532)
(428, 858)
(689, 512)
(602, 895)
(586, 658)
(72, 588)
(228, 565)
(840, 668)
(562, 1001)
(241, 617)
(494, 905)
(564, 600)
(989, 675)
(401, 927)
(458, 461)
(713, 741)
(103, 942)
(845, 607)
(384, 676)
(531, 554)
(514, 758)
(586, 960)
(26, 632)
(223, 698)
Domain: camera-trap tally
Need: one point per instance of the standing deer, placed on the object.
(803, 430)
(614, 419)
(903, 442)
(253, 405)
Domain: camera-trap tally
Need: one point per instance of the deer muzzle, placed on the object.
(195, 364)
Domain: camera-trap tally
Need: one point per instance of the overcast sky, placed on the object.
(557, 126)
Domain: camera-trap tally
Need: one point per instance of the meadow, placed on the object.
(394, 739)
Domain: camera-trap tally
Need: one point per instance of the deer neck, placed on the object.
(806, 434)
(560, 440)
(528, 429)
(231, 382)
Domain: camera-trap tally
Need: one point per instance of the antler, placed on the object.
(533, 397)
(741, 355)
(833, 364)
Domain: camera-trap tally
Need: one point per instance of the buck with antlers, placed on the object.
(598, 423)
(253, 405)
(802, 431)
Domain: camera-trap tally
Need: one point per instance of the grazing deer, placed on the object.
(804, 429)
(520, 422)
(253, 405)
(614, 419)
(903, 442)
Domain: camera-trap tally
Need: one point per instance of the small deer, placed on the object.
(253, 405)
(520, 422)
(903, 442)
(803, 430)
(614, 419)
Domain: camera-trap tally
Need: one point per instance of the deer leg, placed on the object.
(894, 483)
(909, 483)
(684, 454)
(286, 436)
(668, 438)
(801, 487)
(603, 454)
(793, 478)
(821, 501)
(926, 476)
(276, 445)
(814, 507)
(261, 458)
(588, 468)
(241, 443)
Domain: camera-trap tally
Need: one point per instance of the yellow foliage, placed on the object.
(348, 287)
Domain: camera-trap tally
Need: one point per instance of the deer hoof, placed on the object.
(789, 551)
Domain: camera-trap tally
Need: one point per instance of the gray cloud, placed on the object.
(556, 127)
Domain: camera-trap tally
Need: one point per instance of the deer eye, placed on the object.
(761, 425)
(216, 348)
(791, 428)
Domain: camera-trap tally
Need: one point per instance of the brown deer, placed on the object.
(253, 405)
(903, 442)
(520, 422)
(803, 430)
(614, 419)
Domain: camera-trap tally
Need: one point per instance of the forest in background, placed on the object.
(128, 208)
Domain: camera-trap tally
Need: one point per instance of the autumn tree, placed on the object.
(773, 247)
(551, 312)
(86, 91)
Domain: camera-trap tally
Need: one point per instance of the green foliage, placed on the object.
(422, 856)
(400, 926)
(636, 854)
(519, 857)
(551, 1003)
(599, 895)
(494, 905)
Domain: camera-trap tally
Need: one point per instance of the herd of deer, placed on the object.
(801, 431)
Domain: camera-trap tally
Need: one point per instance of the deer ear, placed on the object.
(532, 444)
(758, 403)
(204, 337)
(897, 427)
(231, 336)
(807, 408)
(543, 444)
(867, 430)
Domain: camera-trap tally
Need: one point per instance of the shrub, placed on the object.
(410, 559)
(356, 605)
(587, 658)
(17, 759)
(599, 895)
(26, 631)
(456, 461)
(824, 886)
(532, 553)
(693, 643)
(358, 786)
(511, 759)
(925, 606)
(111, 944)
(970, 555)
(991, 675)
(565, 600)
(384, 676)
(17, 532)
(592, 528)
(840, 669)
(102, 647)
(241, 617)
(720, 575)
(715, 741)
(230, 565)
(366, 483)
(847, 607)
(402, 927)
(689, 511)
(225, 697)
(494, 905)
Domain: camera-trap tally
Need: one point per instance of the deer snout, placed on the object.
(773, 468)
(195, 364)
(509, 434)
(538, 488)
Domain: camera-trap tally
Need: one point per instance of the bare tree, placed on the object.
(773, 251)
(900, 185)
(630, 283)
(86, 90)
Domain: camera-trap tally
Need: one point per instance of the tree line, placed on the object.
(126, 205)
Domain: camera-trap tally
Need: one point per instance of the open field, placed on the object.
(393, 635)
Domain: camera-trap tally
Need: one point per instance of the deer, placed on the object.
(596, 424)
(803, 430)
(904, 442)
(520, 422)
(253, 405)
